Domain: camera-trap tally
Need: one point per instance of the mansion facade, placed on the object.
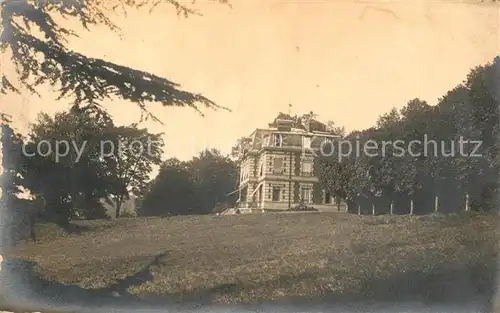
(278, 170)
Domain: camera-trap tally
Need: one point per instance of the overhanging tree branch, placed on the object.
(89, 80)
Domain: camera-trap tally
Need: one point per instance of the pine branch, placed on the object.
(89, 80)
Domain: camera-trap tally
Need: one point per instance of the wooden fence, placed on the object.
(412, 206)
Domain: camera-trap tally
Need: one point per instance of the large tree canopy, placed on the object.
(74, 160)
(47, 59)
(198, 186)
(438, 166)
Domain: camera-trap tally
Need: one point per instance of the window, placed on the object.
(276, 193)
(306, 142)
(307, 168)
(306, 195)
(278, 165)
(278, 140)
(266, 141)
(261, 169)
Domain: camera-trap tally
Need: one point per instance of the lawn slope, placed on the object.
(246, 258)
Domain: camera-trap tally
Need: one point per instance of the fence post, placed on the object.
(373, 208)
(392, 208)
(411, 207)
(467, 202)
(359, 209)
(436, 204)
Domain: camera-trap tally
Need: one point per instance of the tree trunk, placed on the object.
(32, 222)
(63, 211)
(119, 202)
(58, 210)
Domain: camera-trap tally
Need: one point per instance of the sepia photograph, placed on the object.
(249, 156)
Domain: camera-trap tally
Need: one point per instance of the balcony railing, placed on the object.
(284, 172)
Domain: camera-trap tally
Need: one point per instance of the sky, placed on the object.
(348, 61)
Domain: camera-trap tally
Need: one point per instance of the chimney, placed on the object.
(284, 125)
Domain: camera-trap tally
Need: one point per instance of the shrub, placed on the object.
(302, 207)
(127, 214)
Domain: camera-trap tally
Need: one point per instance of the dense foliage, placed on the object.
(36, 43)
(72, 161)
(46, 58)
(198, 186)
(445, 169)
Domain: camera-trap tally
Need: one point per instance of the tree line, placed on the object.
(205, 184)
(73, 185)
(80, 167)
(88, 81)
(79, 164)
(421, 180)
(68, 189)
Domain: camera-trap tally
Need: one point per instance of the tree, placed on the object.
(193, 187)
(335, 175)
(439, 167)
(214, 176)
(63, 163)
(15, 210)
(4, 119)
(170, 192)
(240, 148)
(46, 59)
(390, 119)
(11, 147)
(332, 128)
(88, 159)
(139, 151)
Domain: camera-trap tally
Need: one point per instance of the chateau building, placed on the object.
(278, 169)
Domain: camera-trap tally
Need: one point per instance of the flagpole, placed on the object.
(297, 49)
(290, 164)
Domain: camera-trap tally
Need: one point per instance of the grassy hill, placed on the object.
(246, 258)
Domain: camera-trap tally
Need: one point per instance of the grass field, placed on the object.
(247, 258)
